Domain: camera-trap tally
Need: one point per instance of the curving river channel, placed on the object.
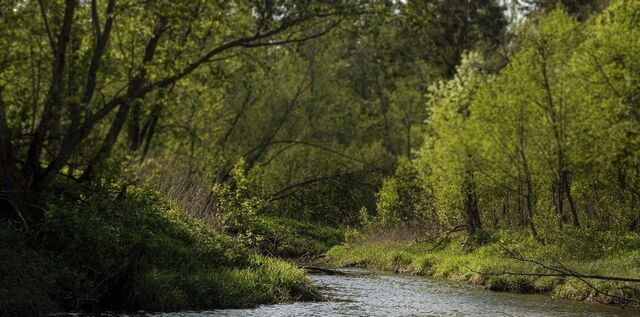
(363, 294)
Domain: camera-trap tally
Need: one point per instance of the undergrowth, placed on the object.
(288, 238)
(102, 248)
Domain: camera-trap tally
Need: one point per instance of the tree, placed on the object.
(444, 30)
(580, 9)
(603, 75)
(551, 43)
(112, 57)
(449, 151)
(506, 122)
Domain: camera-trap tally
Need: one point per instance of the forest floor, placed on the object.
(99, 249)
(497, 264)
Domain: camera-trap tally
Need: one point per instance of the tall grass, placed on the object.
(264, 280)
(189, 194)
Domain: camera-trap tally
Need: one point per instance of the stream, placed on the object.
(361, 293)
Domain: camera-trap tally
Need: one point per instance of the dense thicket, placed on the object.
(548, 142)
(314, 104)
(316, 100)
(75, 75)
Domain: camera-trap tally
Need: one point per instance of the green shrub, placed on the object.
(402, 202)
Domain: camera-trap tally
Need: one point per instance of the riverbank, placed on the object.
(587, 253)
(105, 249)
(359, 292)
(289, 238)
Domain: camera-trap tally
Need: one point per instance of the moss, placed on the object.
(451, 262)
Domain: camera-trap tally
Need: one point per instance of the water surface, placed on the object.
(363, 294)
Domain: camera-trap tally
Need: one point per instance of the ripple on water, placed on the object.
(363, 294)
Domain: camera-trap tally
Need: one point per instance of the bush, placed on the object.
(402, 202)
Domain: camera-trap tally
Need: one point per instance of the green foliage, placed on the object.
(402, 201)
(286, 237)
(87, 243)
(416, 118)
(236, 202)
(548, 142)
(239, 208)
(448, 153)
(364, 218)
(100, 221)
(263, 281)
(581, 9)
(388, 204)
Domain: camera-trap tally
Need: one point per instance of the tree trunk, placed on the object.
(530, 204)
(470, 205)
(572, 207)
(108, 143)
(557, 201)
(51, 111)
(150, 130)
(133, 128)
(123, 111)
(17, 201)
(529, 192)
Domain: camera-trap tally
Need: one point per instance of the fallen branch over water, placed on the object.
(557, 269)
(586, 276)
(322, 270)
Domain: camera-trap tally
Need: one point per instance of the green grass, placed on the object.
(100, 251)
(287, 237)
(588, 253)
(265, 280)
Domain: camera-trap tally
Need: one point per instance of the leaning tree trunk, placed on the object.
(108, 143)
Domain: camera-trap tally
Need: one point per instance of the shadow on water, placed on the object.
(360, 293)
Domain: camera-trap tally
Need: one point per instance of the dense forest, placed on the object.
(166, 155)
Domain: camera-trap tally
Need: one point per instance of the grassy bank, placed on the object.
(102, 249)
(585, 252)
(289, 238)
